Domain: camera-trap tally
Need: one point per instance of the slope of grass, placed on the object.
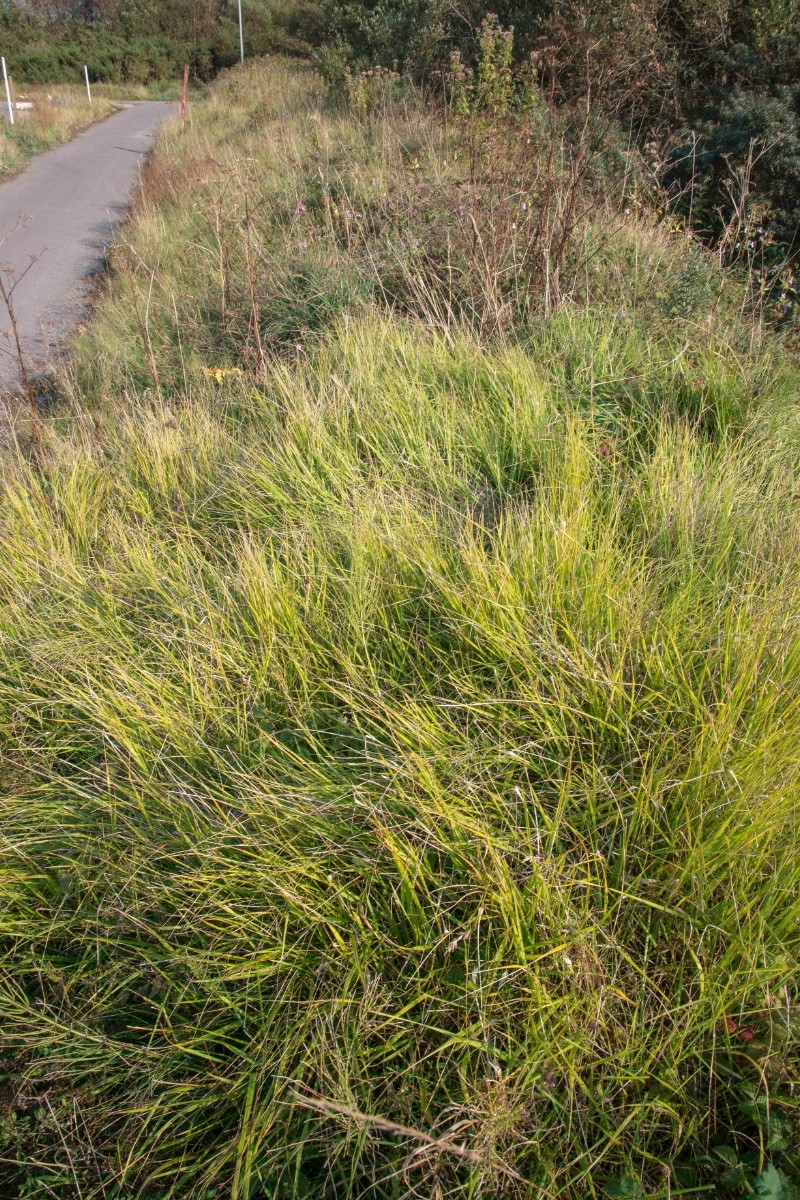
(280, 209)
(399, 734)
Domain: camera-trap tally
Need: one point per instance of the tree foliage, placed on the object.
(141, 41)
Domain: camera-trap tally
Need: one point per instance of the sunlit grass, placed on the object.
(400, 745)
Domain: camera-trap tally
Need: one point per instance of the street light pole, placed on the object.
(241, 31)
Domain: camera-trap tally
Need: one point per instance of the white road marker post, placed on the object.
(8, 94)
(241, 32)
(86, 77)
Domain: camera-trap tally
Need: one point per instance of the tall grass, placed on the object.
(280, 208)
(400, 740)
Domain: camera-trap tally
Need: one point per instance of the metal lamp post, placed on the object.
(241, 31)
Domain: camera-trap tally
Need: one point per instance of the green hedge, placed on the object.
(42, 51)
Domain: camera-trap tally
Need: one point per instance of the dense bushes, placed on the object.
(713, 88)
(748, 144)
(145, 41)
(43, 51)
(109, 58)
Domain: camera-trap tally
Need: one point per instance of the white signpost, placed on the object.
(86, 77)
(8, 94)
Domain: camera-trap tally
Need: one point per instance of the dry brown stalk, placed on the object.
(442, 1144)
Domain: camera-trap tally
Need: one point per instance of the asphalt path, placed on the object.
(57, 220)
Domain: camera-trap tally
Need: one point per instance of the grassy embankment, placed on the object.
(400, 689)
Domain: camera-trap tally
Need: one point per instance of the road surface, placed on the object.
(57, 220)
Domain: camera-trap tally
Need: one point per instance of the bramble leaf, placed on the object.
(772, 1184)
(625, 1187)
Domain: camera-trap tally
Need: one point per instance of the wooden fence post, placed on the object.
(183, 97)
